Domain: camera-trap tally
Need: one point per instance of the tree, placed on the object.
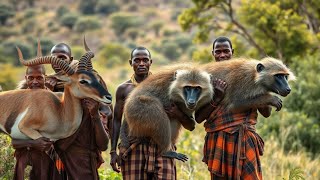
(113, 54)
(87, 6)
(107, 7)
(5, 13)
(170, 50)
(156, 26)
(86, 24)
(267, 26)
(123, 21)
(69, 20)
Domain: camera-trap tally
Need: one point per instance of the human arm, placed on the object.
(101, 135)
(116, 124)
(41, 144)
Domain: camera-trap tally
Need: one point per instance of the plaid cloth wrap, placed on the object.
(225, 157)
(142, 162)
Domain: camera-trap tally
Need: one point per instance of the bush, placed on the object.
(5, 13)
(133, 33)
(170, 50)
(62, 10)
(69, 20)
(46, 45)
(11, 51)
(183, 41)
(87, 6)
(123, 21)
(203, 56)
(112, 54)
(7, 158)
(30, 13)
(87, 24)
(107, 7)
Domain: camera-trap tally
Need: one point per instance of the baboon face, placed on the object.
(191, 95)
(191, 87)
(274, 80)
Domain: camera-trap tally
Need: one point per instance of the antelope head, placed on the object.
(82, 83)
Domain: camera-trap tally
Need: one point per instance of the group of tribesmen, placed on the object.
(79, 156)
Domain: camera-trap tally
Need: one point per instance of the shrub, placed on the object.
(123, 21)
(87, 6)
(107, 7)
(87, 24)
(69, 20)
(62, 10)
(170, 50)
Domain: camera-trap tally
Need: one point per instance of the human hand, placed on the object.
(92, 105)
(51, 83)
(219, 90)
(41, 144)
(115, 161)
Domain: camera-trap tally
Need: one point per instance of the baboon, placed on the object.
(144, 110)
(251, 81)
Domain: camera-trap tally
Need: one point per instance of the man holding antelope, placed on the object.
(41, 113)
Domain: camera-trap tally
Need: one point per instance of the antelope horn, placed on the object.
(46, 60)
(39, 53)
(85, 59)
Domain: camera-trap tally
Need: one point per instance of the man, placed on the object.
(63, 51)
(140, 62)
(138, 157)
(32, 152)
(81, 152)
(232, 147)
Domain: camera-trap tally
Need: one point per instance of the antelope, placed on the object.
(31, 114)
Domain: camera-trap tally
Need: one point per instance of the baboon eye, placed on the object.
(83, 82)
(187, 87)
(286, 76)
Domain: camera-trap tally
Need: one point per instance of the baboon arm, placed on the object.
(203, 113)
(188, 122)
(265, 111)
(257, 102)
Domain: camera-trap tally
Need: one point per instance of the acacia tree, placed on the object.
(268, 26)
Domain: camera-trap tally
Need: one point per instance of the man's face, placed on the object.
(141, 62)
(222, 51)
(35, 78)
(62, 53)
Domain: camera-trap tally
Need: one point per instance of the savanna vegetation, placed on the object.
(181, 31)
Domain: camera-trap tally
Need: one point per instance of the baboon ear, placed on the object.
(260, 67)
(175, 75)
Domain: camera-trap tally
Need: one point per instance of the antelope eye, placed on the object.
(83, 82)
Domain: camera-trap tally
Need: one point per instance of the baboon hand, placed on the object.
(175, 155)
(276, 102)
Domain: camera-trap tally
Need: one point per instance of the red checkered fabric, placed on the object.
(225, 156)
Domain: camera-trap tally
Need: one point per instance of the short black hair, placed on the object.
(140, 48)
(61, 45)
(220, 40)
(41, 66)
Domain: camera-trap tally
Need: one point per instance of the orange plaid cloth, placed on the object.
(141, 161)
(225, 156)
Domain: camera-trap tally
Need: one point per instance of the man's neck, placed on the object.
(140, 78)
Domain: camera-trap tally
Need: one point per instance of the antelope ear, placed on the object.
(260, 67)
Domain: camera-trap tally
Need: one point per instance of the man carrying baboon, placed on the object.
(232, 147)
(138, 159)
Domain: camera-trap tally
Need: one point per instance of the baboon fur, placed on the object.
(248, 88)
(144, 108)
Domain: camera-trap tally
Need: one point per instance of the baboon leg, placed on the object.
(151, 121)
(257, 102)
(175, 155)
